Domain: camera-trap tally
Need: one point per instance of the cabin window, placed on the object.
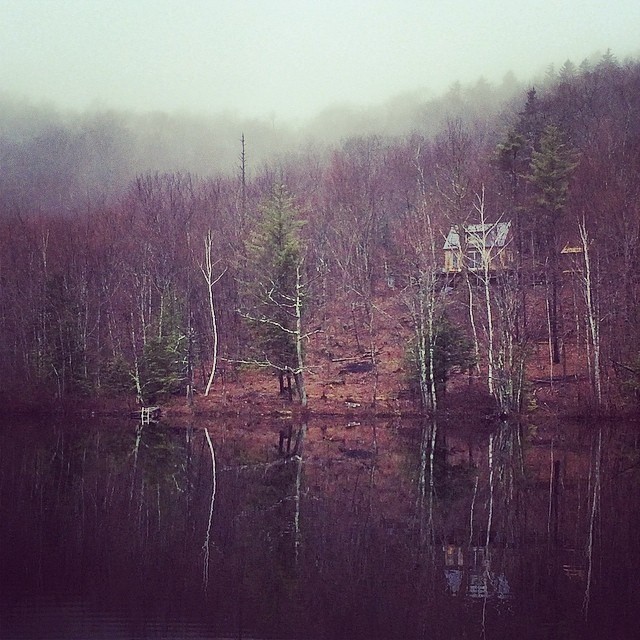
(475, 259)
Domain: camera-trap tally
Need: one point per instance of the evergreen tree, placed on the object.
(452, 350)
(531, 121)
(163, 366)
(551, 168)
(275, 295)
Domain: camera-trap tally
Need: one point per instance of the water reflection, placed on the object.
(319, 530)
(74, 620)
(472, 576)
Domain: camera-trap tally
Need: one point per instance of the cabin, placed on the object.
(571, 257)
(488, 243)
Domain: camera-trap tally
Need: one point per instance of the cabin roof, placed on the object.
(572, 247)
(492, 234)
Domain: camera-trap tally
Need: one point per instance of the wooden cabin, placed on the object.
(571, 257)
(476, 244)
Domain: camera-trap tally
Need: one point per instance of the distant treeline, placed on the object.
(103, 264)
(54, 160)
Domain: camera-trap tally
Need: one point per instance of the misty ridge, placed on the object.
(107, 218)
(58, 161)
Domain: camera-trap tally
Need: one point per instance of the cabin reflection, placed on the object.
(468, 571)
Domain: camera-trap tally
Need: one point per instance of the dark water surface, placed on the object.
(110, 529)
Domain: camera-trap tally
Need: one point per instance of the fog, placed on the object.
(287, 60)
(53, 159)
(96, 93)
(58, 159)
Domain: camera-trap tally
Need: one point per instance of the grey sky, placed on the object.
(289, 58)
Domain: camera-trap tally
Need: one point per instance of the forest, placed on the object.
(492, 243)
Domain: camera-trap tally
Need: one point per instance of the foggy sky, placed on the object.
(288, 59)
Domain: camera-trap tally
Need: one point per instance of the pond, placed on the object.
(248, 528)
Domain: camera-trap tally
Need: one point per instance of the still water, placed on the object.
(330, 529)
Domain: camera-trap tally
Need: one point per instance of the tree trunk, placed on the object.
(207, 272)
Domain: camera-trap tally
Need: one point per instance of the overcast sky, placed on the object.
(289, 59)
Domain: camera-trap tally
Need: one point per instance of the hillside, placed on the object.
(327, 265)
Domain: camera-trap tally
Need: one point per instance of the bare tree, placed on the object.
(207, 271)
(592, 309)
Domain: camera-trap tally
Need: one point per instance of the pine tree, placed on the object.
(163, 366)
(274, 302)
(551, 168)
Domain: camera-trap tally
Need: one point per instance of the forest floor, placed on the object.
(357, 368)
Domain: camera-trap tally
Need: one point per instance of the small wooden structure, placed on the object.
(149, 414)
(571, 256)
(471, 246)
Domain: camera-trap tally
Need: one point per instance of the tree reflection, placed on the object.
(394, 531)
